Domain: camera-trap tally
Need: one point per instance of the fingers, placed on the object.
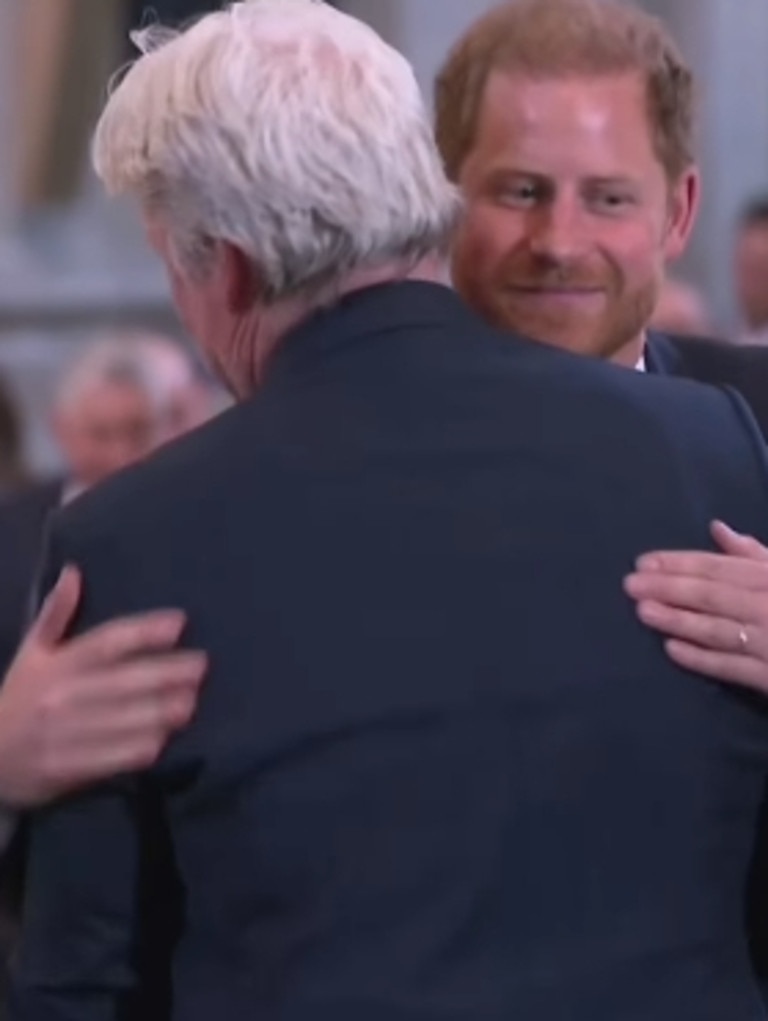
(742, 671)
(144, 722)
(705, 597)
(713, 633)
(737, 545)
(58, 609)
(746, 572)
(743, 561)
(141, 680)
(137, 747)
(124, 724)
(125, 638)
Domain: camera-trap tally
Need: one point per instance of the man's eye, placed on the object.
(612, 200)
(519, 194)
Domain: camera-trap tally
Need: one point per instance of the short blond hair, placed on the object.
(558, 38)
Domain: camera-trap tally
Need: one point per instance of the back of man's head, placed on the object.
(288, 129)
(560, 39)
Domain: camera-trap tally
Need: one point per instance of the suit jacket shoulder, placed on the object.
(178, 477)
(637, 418)
(743, 367)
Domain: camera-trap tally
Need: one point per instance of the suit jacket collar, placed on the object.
(662, 357)
(371, 312)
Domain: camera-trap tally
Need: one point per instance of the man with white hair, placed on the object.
(438, 769)
(112, 408)
(114, 404)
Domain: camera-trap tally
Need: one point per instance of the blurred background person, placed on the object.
(13, 472)
(751, 271)
(681, 310)
(111, 409)
(192, 396)
(118, 401)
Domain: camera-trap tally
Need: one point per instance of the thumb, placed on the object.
(736, 544)
(58, 610)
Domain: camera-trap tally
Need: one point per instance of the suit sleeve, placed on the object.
(79, 953)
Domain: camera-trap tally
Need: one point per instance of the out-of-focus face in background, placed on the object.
(129, 393)
(751, 273)
(681, 311)
(570, 220)
(190, 401)
(110, 425)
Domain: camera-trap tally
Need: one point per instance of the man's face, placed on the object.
(751, 272)
(570, 218)
(111, 426)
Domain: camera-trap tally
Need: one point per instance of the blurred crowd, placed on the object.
(683, 309)
(122, 396)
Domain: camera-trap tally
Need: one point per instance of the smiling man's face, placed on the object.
(570, 215)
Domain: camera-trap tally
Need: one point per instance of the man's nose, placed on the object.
(557, 231)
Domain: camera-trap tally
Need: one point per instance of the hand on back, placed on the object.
(75, 711)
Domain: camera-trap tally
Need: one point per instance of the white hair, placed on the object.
(121, 359)
(287, 128)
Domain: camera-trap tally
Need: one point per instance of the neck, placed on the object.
(433, 270)
(263, 338)
(631, 353)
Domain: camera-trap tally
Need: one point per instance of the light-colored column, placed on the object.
(70, 49)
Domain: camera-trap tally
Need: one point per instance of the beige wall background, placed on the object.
(69, 50)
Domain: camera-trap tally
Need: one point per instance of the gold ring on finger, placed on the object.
(743, 640)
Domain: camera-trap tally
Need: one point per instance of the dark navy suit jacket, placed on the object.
(744, 367)
(439, 771)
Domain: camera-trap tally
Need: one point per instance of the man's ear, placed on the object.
(684, 202)
(241, 280)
